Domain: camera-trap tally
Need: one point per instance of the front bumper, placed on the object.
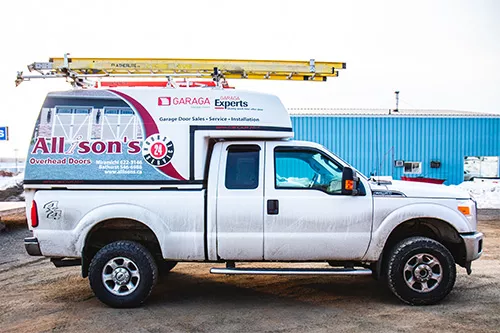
(473, 245)
(32, 246)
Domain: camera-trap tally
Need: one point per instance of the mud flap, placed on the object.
(468, 268)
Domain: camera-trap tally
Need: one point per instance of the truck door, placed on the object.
(240, 202)
(307, 217)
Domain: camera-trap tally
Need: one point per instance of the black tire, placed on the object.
(420, 271)
(164, 267)
(130, 257)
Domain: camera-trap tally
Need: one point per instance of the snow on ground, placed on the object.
(7, 182)
(487, 193)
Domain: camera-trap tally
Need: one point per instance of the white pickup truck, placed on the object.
(128, 182)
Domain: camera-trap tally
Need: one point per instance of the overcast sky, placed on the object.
(438, 54)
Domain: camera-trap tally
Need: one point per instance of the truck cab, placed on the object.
(295, 207)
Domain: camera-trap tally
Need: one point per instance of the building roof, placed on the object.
(385, 112)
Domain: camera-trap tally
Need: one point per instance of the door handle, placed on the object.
(273, 207)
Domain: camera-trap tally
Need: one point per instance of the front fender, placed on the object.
(117, 211)
(382, 232)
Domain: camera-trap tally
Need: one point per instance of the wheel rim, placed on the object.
(423, 273)
(121, 276)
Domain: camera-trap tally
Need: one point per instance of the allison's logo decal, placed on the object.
(157, 150)
(52, 211)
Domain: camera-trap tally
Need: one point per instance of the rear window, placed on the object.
(242, 168)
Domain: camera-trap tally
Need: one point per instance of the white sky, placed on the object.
(439, 54)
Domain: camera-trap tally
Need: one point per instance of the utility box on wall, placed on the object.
(435, 164)
(399, 163)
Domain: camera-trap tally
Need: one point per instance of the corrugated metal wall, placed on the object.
(371, 143)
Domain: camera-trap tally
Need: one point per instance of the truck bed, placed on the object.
(176, 216)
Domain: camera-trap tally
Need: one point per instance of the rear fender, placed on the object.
(117, 211)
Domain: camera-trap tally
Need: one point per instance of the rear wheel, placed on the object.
(122, 274)
(420, 271)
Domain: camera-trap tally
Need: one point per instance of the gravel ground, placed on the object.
(37, 297)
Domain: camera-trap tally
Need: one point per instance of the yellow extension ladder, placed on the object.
(80, 70)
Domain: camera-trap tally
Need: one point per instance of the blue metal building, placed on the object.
(414, 143)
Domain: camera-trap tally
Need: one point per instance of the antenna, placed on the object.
(377, 172)
(380, 162)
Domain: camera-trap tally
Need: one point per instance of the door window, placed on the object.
(306, 169)
(242, 167)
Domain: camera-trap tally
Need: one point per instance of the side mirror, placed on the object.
(349, 182)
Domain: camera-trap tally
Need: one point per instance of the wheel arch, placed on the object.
(433, 228)
(439, 222)
(126, 222)
(115, 229)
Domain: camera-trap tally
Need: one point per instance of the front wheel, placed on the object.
(420, 271)
(122, 274)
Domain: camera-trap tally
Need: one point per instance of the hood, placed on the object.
(421, 190)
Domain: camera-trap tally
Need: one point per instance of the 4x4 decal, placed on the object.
(52, 211)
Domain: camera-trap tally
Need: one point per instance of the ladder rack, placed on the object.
(81, 70)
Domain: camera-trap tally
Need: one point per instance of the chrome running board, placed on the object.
(291, 271)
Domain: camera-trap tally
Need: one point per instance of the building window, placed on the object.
(481, 166)
(413, 167)
(242, 167)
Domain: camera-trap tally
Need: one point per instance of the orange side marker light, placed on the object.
(464, 210)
